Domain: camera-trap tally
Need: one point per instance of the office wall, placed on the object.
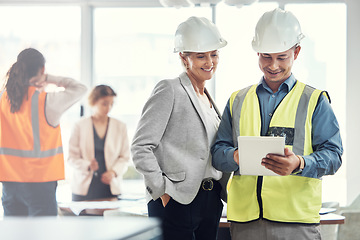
(353, 100)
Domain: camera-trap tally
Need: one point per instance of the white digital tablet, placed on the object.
(253, 148)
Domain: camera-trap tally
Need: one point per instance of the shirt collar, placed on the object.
(287, 85)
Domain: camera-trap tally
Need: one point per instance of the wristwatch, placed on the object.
(302, 162)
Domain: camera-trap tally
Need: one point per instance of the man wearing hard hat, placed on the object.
(285, 206)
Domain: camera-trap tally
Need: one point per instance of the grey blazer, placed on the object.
(170, 147)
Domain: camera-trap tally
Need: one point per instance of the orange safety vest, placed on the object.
(30, 149)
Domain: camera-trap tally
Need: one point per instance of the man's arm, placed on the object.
(326, 140)
(223, 149)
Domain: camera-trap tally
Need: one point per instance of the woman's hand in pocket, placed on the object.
(165, 199)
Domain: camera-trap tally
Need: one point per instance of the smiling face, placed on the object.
(200, 66)
(277, 66)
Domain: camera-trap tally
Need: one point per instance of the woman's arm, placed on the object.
(151, 128)
(58, 102)
(121, 163)
(75, 158)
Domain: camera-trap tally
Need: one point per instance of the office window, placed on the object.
(55, 32)
(133, 50)
(238, 66)
(322, 64)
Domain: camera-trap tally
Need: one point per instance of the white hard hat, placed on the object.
(276, 31)
(198, 34)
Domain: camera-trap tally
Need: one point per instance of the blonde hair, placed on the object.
(184, 55)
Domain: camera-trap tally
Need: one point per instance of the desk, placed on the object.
(138, 207)
(332, 218)
(84, 228)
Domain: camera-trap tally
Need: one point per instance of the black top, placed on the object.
(97, 189)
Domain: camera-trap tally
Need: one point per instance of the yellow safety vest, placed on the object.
(293, 199)
(30, 149)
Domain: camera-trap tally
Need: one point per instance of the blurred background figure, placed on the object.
(31, 154)
(99, 150)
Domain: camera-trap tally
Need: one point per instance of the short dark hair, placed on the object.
(100, 91)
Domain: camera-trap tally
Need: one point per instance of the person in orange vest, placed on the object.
(31, 154)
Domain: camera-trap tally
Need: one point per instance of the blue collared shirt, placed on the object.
(326, 140)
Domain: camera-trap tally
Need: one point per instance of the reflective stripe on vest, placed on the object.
(22, 162)
(277, 198)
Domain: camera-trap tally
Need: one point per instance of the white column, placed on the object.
(87, 46)
(353, 100)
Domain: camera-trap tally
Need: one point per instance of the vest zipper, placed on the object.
(258, 192)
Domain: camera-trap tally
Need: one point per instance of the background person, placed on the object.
(31, 154)
(99, 150)
(286, 206)
(171, 146)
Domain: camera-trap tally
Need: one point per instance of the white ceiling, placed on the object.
(135, 3)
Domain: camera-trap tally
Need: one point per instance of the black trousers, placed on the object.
(97, 190)
(198, 220)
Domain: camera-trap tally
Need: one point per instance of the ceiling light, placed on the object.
(239, 3)
(175, 3)
(204, 3)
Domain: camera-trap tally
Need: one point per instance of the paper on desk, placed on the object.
(78, 207)
(253, 148)
(326, 210)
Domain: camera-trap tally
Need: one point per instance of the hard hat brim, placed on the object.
(221, 44)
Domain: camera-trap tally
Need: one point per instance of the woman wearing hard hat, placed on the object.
(285, 206)
(171, 147)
